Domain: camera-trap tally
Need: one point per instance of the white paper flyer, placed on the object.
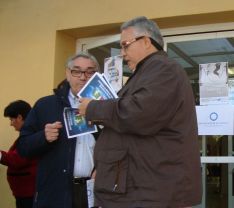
(113, 71)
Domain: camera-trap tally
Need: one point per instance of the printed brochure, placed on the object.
(97, 88)
(76, 124)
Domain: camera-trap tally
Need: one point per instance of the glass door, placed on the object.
(216, 151)
(103, 47)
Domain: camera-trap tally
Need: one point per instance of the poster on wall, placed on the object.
(214, 94)
(213, 73)
(113, 71)
(213, 82)
(215, 119)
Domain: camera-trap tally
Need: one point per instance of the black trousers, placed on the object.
(80, 199)
(24, 202)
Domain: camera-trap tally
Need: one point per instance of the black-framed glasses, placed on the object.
(77, 72)
(125, 44)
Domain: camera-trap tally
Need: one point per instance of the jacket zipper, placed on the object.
(35, 198)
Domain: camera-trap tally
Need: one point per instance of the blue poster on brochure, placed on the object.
(97, 88)
(76, 124)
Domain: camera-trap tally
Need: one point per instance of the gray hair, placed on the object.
(86, 55)
(146, 27)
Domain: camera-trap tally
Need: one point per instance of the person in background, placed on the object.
(147, 155)
(21, 172)
(65, 164)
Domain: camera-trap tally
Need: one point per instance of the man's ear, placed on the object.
(68, 74)
(147, 42)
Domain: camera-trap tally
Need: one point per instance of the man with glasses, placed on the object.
(65, 164)
(147, 155)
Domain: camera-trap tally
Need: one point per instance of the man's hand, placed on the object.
(83, 105)
(52, 131)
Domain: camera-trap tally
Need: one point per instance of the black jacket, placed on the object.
(55, 170)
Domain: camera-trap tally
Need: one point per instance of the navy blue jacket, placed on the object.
(55, 170)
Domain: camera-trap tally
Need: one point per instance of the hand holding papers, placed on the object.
(97, 88)
(76, 124)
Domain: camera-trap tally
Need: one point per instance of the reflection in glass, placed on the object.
(106, 51)
(192, 53)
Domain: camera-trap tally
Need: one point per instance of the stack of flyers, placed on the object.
(98, 88)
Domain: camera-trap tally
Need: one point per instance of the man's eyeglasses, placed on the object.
(77, 72)
(126, 44)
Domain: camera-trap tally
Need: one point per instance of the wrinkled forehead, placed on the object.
(84, 62)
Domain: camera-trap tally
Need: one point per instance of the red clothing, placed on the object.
(21, 172)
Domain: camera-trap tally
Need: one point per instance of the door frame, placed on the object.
(190, 32)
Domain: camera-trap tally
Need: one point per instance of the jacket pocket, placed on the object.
(112, 168)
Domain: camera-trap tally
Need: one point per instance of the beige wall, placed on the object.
(37, 36)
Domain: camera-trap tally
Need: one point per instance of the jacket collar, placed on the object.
(138, 66)
(62, 92)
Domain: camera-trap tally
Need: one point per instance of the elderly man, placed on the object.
(65, 164)
(147, 155)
